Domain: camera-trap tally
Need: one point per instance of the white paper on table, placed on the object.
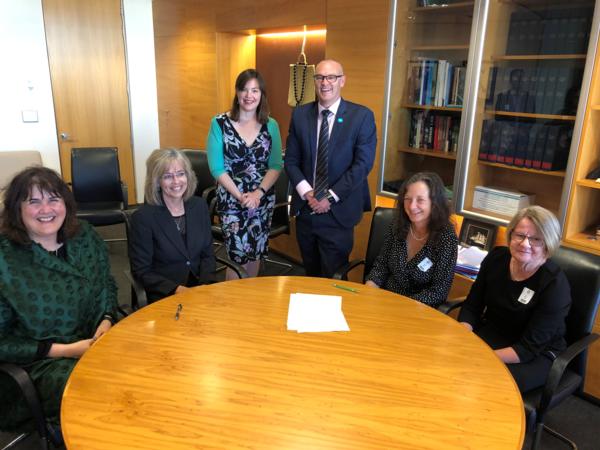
(316, 313)
(470, 256)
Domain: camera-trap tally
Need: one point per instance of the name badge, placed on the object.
(425, 265)
(526, 296)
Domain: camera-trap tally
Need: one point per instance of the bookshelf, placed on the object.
(583, 211)
(428, 51)
(526, 112)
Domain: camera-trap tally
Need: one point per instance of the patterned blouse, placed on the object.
(426, 277)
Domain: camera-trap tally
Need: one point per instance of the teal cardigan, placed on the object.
(214, 148)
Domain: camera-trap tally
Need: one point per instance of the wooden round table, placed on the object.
(228, 374)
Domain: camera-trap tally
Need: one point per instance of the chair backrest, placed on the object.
(583, 272)
(199, 161)
(15, 161)
(382, 218)
(95, 175)
(280, 223)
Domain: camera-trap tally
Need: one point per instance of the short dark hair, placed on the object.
(440, 206)
(19, 190)
(262, 112)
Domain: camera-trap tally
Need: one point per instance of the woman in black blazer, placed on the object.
(171, 242)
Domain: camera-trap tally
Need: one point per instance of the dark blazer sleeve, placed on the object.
(293, 153)
(144, 236)
(361, 141)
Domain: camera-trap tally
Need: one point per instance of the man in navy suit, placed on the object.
(328, 166)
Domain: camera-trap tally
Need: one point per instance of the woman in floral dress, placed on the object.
(244, 155)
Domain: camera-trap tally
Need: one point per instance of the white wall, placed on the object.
(141, 71)
(25, 81)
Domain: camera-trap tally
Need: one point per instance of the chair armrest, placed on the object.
(558, 368)
(21, 377)
(450, 305)
(239, 270)
(141, 299)
(208, 194)
(125, 193)
(342, 272)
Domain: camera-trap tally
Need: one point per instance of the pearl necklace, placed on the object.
(412, 233)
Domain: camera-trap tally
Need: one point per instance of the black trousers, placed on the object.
(325, 245)
(528, 375)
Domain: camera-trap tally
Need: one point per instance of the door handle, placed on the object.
(65, 136)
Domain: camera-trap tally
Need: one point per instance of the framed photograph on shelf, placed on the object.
(478, 234)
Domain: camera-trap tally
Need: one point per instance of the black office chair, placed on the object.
(139, 298)
(45, 435)
(206, 183)
(567, 374)
(380, 224)
(280, 224)
(100, 194)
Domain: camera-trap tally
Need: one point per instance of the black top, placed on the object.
(529, 327)
(427, 277)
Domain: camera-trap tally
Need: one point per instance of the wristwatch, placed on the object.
(330, 197)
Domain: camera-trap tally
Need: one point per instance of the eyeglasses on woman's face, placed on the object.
(533, 241)
(171, 176)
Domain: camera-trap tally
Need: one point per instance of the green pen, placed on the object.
(346, 288)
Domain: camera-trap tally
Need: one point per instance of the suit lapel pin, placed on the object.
(340, 119)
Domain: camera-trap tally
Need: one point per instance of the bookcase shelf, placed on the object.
(550, 173)
(436, 48)
(588, 184)
(536, 57)
(432, 108)
(584, 241)
(442, 8)
(530, 115)
(428, 152)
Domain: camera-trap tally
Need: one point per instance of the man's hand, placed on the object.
(320, 206)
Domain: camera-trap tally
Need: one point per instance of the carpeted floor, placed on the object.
(575, 418)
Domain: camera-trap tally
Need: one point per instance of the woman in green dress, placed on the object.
(57, 296)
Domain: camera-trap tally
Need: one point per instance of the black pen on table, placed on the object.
(179, 308)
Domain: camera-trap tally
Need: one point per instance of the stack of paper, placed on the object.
(316, 313)
(469, 260)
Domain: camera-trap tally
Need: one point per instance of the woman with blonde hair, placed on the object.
(170, 241)
(520, 299)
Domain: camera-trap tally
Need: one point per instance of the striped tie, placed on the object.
(321, 184)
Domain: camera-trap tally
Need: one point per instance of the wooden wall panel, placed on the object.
(188, 68)
(186, 74)
(357, 37)
(273, 58)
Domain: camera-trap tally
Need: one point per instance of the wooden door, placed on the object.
(86, 51)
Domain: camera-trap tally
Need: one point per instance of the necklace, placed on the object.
(180, 223)
(295, 82)
(412, 233)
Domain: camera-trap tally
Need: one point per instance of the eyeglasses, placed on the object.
(171, 176)
(330, 78)
(533, 241)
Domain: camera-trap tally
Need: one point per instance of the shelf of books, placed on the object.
(425, 89)
(532, 68)
(582, 224)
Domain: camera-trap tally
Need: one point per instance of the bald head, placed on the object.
(329, 81)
